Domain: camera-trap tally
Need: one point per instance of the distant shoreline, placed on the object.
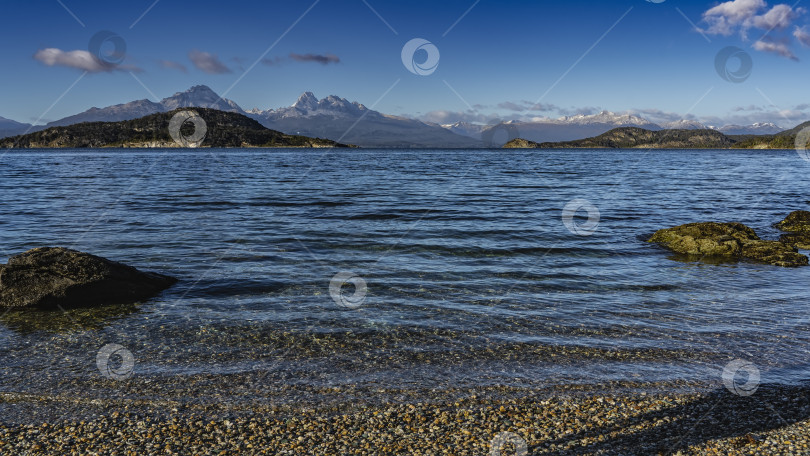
(403, 149)
(211, 128)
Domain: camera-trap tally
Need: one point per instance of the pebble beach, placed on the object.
(775, 420)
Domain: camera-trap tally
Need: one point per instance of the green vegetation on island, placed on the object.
(639, 138)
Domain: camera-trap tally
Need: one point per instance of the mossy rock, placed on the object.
(731, 240)
(708, 238)
(797, 225)
(796, 222)
(774, 252)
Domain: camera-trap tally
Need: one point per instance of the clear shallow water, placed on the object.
(473, 278)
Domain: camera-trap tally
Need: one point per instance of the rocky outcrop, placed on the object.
(797, 226)
(520, 143)
(733, 240)
(50, 277)
(634, 137)
(773, 252)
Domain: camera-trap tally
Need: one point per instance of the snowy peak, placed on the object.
(196, 97)
(308, 105)
(684, 124)
(467, 129)
(335, 103)
(607, 117)
(759, 128)
(306, 102)
(199, 96)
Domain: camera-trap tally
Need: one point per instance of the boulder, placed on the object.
(733, 240)
(797, 226)
(55, 276)
(708, 238)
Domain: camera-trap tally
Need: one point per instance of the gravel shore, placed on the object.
(775, 420)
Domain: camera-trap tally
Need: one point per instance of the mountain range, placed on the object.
(10, 127)
(223, 129)
(340, 120)
(569, 128)
(346, 122)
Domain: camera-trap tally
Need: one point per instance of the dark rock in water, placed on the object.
(733, 240)
(49, 277)
(706, 238)
(797, 224)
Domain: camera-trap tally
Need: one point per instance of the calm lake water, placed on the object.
(473, 278)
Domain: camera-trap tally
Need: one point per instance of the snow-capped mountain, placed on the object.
(684, 124)
(332, 117)
(606, 118)
(338, 119)
(196, 97)
(765, 128)
(308, 105)
(467, 129)
(566, 128)
(200, 97)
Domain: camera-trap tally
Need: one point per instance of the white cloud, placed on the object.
(802, 35)
(449, 117)
(740, 16)
(208, 63)
(81, 60)
(740, 115)
(724, 18)
(778, 18)
(775, 47)
(658, 115)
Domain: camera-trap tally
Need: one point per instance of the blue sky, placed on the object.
(507, 59)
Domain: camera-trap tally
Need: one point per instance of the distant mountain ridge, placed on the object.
(570, 128)
(754, 129)
(199, 96)
(10, 127)
(223, 129)
(332, 117)
(340, 120)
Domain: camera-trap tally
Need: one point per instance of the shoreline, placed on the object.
(410, 149)
(774, 420)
